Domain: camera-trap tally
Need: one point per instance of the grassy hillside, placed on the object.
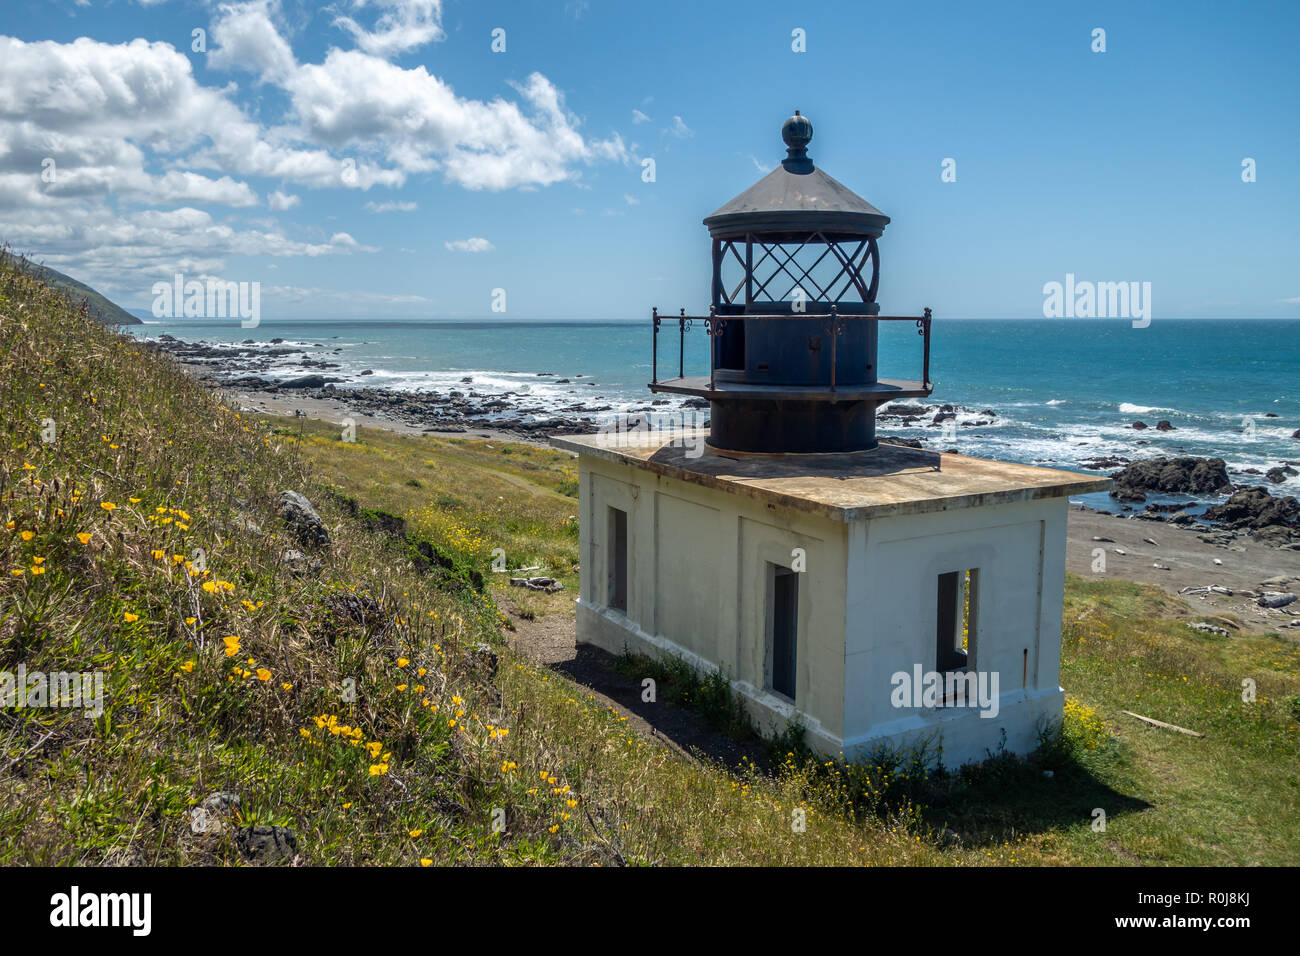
(98, 305)
(368, 703)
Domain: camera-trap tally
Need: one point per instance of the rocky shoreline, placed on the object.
(1235, 508)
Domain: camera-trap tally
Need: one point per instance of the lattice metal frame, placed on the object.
(852, 254)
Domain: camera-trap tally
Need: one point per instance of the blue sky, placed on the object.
(522, 170)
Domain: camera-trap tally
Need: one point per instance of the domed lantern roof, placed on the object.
(797, 198)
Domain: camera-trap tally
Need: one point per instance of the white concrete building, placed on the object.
(696, 558)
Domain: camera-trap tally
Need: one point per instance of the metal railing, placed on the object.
(714, 324)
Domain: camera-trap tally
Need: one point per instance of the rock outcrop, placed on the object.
(1192, 476)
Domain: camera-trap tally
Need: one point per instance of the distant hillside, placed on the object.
(100, 307)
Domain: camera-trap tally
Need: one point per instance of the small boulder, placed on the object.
(302, 519)
(263, 844)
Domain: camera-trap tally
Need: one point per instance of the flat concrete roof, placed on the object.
(888, 480)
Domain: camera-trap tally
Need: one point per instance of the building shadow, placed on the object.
(679, 728)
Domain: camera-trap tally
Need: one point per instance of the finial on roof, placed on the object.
(797, 132)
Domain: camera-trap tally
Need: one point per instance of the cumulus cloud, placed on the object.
(638, 117)
(474, 244)
(91, 131)
(248, 40)
(279, 201)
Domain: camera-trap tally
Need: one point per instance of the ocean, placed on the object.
(1063, 390)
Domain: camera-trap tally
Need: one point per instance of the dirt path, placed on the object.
(550, 639)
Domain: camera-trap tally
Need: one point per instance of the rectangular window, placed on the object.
(956, 620)
(617, 596)
(783, 627)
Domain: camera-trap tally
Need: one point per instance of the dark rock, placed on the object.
(1164, 426)
(264, 844)
(1275, 475)
(302, 519)
(356, 608)
(1254, 507)
(369, 371)
(1139, 425)
(305, 381)
(1194, 476)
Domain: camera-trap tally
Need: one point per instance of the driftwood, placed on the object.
(1160, 723)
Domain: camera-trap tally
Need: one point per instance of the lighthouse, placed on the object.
(878, 595)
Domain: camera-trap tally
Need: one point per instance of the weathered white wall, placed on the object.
(1019, 550)
(697, 588)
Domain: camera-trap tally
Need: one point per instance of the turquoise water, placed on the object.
(1063, 390)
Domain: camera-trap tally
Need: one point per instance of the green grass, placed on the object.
(184, 719)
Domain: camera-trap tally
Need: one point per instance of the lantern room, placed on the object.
(794, 322)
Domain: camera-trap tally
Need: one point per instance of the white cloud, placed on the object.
(631, 200)
(404, 25)
(129, 125)
(638, 117)
(474, 244)
(392, 206)
(279, 201)
(247, 39)
(680, 129)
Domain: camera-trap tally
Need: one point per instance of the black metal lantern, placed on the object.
(794, 321)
